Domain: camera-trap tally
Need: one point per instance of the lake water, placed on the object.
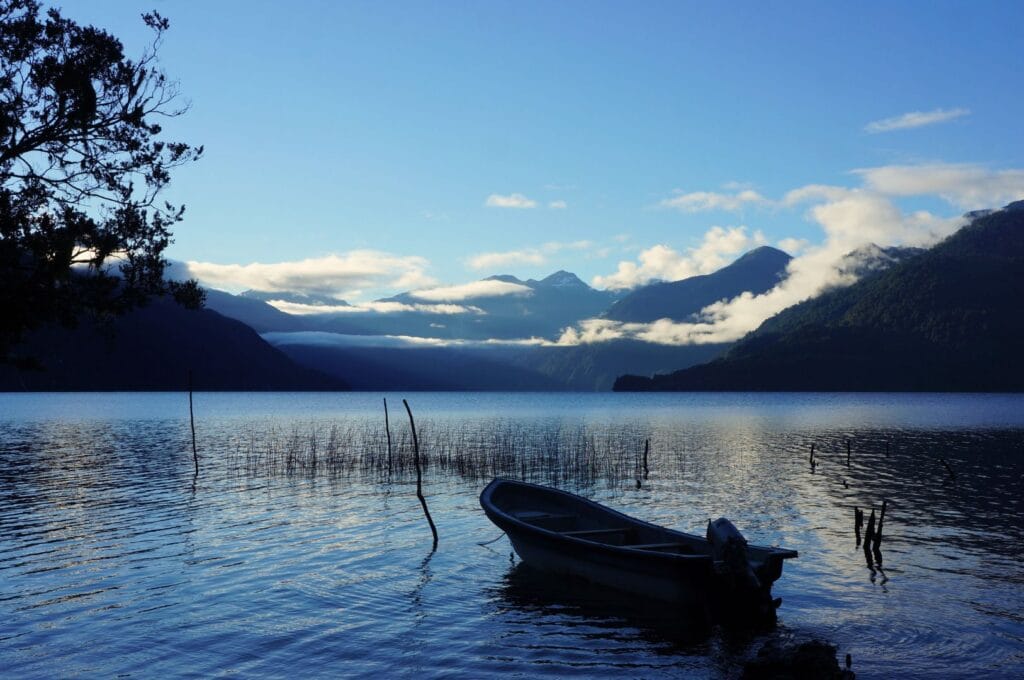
(301, 550)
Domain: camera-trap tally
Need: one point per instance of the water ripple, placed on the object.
(114, 559)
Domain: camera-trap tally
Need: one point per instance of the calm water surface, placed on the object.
(299, 551)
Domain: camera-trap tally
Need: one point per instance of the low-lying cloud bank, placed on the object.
(850, 218)
(376, 307)
(343, 275)
(718, 248)
(341, 340)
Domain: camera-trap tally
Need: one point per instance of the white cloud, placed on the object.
(509, 201)
(558, 205)
(322, 338)
(526, 256)
(915, 119)
(813, 192)
(662, 262)
(699, 201)
(342, 275)
(508, 258)
(593, 331)
(469, 291)
(793, 245)
(850, 219)
(967, 186)
(377, 306)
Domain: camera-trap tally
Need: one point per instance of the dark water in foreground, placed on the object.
(296, 553)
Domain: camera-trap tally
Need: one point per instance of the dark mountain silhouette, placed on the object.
(950, 319)
(595, 367)
(421, 368)
(153, 348)
(253, 312)
(757, 272)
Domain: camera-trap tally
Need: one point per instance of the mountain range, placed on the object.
(947, 319)
(498, 333)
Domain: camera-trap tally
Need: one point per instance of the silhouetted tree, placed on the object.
(82, 165)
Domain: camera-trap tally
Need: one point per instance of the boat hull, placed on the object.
(680, 582)
(562, 533)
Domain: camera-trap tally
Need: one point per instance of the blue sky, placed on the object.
(377, 133)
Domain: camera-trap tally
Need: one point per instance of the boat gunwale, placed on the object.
(490, 506)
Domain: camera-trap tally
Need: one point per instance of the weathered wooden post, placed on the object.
(419, 473)
(869, 535)
(858, 522)
(878, 531)
(647, 446)
(847, 453)
(952, 475)
(192, 422)
(387, 431)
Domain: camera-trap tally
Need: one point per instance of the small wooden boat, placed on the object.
(563, 533)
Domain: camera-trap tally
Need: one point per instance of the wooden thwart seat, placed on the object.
(660, 546)
(537, 516)
(581, 533)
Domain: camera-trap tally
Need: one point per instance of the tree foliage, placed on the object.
(82, 167)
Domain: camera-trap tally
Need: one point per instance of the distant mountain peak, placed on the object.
(563, 279)
(763, 253)
(757, 271)
(507, 278)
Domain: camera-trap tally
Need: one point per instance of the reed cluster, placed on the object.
(554, 454)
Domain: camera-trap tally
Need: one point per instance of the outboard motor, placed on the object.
(739, 591)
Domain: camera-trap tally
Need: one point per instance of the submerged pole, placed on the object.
(878, 531)
(647, 446)
(419, 473)
(387, 430)
(869, 535)
(192, 421)
(952, 475)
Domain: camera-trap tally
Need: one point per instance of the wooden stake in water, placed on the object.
(952, 475)
(869, 534)
(419, 473)
(387, 430)
(847, 453)
(878, 531)
(192, 421)
(647, 446)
